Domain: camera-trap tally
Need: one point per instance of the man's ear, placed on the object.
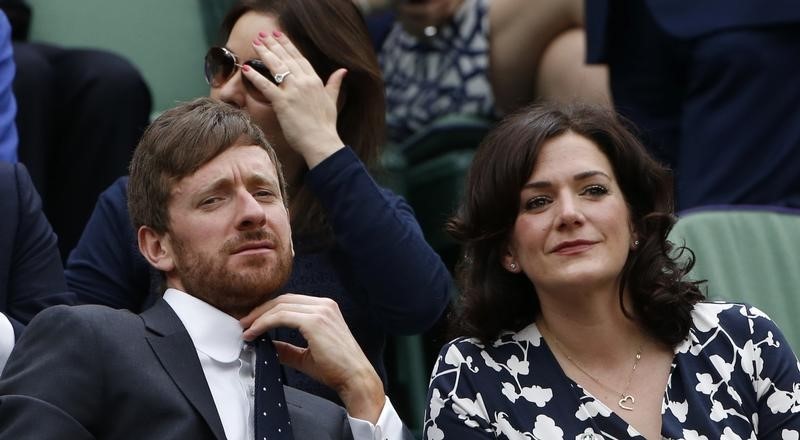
(291, 242)
(156, 248)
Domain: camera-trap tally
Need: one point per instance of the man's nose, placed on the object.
(250, 211)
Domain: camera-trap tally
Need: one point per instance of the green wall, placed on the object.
(165, 39)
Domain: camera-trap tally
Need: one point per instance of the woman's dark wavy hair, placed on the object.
(332, 34)
(494, 300)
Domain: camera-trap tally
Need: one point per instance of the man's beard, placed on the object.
(234, 292)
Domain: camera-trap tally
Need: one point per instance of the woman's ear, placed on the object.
(156, 249)
(634, 239)
(510, 263)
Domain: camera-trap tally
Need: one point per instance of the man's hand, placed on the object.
(333, 356)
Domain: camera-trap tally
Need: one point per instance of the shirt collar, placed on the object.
(213, 331)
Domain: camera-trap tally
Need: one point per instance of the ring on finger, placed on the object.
(279, 77)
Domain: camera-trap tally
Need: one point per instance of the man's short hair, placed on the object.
(177, 144)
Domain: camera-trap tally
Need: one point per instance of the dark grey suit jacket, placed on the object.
(31, 275)
(92, 372)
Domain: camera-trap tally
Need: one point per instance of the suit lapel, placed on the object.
(174, 348)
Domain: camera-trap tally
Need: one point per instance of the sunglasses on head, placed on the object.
(221, 64)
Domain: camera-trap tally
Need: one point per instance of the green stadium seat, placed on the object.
(166, 40)
(748, 254)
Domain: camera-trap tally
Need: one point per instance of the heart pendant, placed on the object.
(626, 402)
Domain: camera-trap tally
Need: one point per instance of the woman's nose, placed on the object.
(232, 91)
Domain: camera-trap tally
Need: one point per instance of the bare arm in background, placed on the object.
(538, 47)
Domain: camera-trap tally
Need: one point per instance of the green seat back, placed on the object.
(448, 133)
(434, 189)
(166, 40)
(750, 255)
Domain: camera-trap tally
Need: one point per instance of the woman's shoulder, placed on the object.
(509, 348)
(710, 315)
(729, 323)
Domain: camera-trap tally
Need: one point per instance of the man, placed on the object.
(208, 200)
(712, 87)
(77, 126)
(31, 276)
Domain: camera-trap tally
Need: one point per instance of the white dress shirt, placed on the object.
(228, 362)
(6, 340)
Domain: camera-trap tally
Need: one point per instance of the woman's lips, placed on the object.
(573, 247)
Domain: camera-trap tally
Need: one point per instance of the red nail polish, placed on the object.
(245, 68)
(262, 34)
(257, 42)
(276, 34)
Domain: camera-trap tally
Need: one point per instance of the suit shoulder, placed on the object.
(89, 315)
(118, 189)
(12, 175)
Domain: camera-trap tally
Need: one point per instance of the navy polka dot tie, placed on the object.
(271, 415)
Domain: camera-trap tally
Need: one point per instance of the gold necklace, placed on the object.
(626, 400)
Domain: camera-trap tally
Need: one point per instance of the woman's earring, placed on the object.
(636, 244)
(513, 267)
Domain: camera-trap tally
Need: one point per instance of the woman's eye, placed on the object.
(595, 191)
(536, 202)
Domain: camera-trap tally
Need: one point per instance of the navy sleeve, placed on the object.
(35, 276)
(406, 282)
(106, 266)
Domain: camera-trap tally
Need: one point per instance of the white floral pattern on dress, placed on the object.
(734, 377)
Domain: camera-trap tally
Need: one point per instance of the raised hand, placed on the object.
(305, 107)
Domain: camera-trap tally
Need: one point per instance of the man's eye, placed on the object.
(210, 201)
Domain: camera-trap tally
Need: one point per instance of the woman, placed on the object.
(576, 315)
(481, 58)
(355, 242)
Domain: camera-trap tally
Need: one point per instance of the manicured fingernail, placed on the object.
(245, 68)
(257, 42)
(262, 34)
(276, 34)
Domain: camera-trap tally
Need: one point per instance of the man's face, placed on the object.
(229, 238)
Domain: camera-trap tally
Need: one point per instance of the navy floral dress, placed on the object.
(734, 377)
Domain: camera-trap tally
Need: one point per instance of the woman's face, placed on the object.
(235, 93)
(573, 229)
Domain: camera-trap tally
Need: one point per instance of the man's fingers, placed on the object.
(290, 355)
(301, 312)
(297, 316)
(286, 298)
